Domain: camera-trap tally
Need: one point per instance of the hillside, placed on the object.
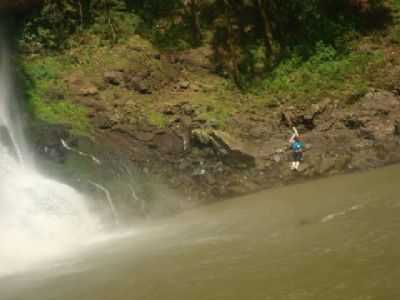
(214, 124)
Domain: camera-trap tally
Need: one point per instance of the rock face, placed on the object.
(47, 139)
(196, 156)
(205, 162)
(232, 150)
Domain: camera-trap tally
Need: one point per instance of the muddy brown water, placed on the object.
(331, 239)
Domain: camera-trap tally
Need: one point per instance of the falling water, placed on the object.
(8, 108)
(110, 201)
(39, 217)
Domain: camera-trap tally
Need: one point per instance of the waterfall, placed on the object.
(40, 218)
(8, 108)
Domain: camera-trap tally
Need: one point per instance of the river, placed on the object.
(331, 239)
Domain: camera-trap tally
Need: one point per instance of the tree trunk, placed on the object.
(193, 10)
(264, 8)
(234, 50)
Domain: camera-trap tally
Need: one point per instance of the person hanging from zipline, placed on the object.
(297, 148)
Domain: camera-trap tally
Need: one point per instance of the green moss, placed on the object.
(216, 112)
(157, 119)
(60, 112)
(46, 95)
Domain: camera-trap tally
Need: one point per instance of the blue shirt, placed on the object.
(297, 146)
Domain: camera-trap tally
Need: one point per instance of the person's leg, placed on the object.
(295, 159)
(292, 164)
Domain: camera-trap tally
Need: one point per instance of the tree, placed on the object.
(193, 10)
(265, 10)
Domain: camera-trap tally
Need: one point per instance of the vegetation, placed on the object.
(326, 74)
(274, 51)
(46, 96)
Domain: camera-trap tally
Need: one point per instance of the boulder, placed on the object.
(321, 107)
(352, 121)
(168, 143)
(114, 77)
(257, 132)
(379, 102)
(379, 130)
(188, 109)
(273, 146)
(139, 85)
(102, 121)
(183, 84)
(88, 90)
(327, 163)
(287, 118)
(144, 136)
(233, 150)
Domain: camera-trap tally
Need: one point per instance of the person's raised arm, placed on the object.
(291, 140)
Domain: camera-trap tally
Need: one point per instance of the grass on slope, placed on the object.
(46, 95)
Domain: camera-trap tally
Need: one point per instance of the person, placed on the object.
(297, 147)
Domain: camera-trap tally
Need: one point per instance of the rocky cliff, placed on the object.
(177, 119)
(162, 112)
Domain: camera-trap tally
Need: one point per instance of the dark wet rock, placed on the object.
(47, 139)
